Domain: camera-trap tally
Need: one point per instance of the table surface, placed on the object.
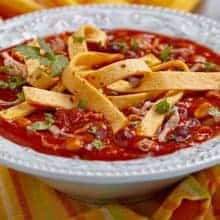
(209, 8)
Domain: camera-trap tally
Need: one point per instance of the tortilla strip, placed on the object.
(151, 60)
(38, 75)
(116, 71)
(77, 43)
(125, 101)
(171, 80)
(178, 64)
(95, 100)
(17, 111)
(89, 60)
(123, 85)
(152, 120)
(47, 98)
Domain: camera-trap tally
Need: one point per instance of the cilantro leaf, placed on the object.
(58, 65)
(162, 107)
(78, 39)
(30, 52)
(213, 111)
(134, 44)
(120, 46)
(165, 53)
(44, 45)
(97, 143)
(209, 66)
(20, 97)
(92, 130)
(43, 125)
(3, 84)
(15, 82)
(12, 83)
(82, 104)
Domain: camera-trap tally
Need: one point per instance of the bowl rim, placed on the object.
(172, 165)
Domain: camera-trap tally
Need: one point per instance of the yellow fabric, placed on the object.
(195, 198)
(10, 8)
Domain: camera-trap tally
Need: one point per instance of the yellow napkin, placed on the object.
(23, 197)
(10, 8)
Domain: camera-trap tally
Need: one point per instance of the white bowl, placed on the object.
(96, 180)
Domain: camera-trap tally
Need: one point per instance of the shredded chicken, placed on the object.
(18, 68)
(56, 131)
(170, 125)
(8, 103)
(141, 111)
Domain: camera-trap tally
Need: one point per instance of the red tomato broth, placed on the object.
(123, 145)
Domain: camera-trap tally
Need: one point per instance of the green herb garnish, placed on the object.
(20, 96)
(3, 84)
(5, 69)
(56, 62)
(209, 66)
(12, 83)
(78, 39)
(92, 130)
(97, 143)
(29, 52)
(166, 53)
(122, 46)
(82, 104)
(162, 107)
(213, 111)
(43, 125)
(135, 45)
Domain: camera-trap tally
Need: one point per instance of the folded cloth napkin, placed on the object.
(10, 8)
(23, 197)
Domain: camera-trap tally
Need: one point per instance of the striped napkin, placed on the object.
(23, 197)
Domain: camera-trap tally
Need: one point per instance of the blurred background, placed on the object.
(10, 8)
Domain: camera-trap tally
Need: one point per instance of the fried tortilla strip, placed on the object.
(38, 75)
(45, 98)
(125, 101)
(152, 120)
(90, 59)
(177, 64)
(116, 71)
(77, 43)
(171, 80)
(151, 60)
(17, 111)
(120, 85)
(95, 100)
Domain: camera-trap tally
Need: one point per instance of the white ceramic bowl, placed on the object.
(106, 180)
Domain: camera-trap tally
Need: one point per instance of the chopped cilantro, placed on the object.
(135, 45)
(165, 53)
(15, 82)
(56, 62)
(97, 143)
(5, 69)
(78, 39)
(213, 111)
(30, 52)
(82, 104)
(135, 123)
(121, 46)
(12, 83)
(43, 125)
(3, 84)
(20, 97)
(92, 130)
(162, 107)
(58, 65)
(209, 66)
(45, 46)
